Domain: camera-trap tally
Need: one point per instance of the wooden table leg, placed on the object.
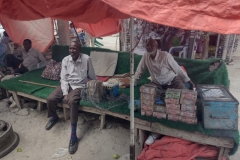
(40, 106)
(16, 99)
(136, 135)
(220, 154)
(102, 124)
(141, 138)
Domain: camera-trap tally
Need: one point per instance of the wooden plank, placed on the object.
(148, 126)
(32, 97)
(197, 137)
(16, 99)
(102, 124)
(220, 154)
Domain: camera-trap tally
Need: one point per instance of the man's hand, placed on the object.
(192, 85)
(65, 99)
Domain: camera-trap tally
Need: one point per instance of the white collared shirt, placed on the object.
(163, 68)
(32, 58)
(76, 73)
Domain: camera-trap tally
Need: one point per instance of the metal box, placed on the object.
(220, 108)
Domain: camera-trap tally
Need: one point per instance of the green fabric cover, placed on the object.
(196, 69)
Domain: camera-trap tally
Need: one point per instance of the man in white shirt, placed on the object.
(77, 69)
(164, 70)
(5, 39)
(32, 59)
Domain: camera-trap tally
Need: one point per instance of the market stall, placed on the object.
(175, 13)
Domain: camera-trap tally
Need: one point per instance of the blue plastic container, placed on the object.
(114, 91)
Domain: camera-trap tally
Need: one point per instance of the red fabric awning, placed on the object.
(40, 32)
(73, 10)
(221, 16)
(105, 27)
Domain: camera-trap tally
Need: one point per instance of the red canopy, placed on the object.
(105, 27)
(40, 32)
(222, 16)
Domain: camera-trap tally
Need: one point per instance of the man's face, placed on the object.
(26, 45)
(151, 47)
(74, 50)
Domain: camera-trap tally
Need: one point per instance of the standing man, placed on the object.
(164, 70)
(76, 70)
(32, 59)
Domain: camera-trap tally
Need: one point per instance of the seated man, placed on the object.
(76, 69)
(164, 70)
(32, 59)
(5, 39)
(17, 51)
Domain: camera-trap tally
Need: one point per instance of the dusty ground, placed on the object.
(38, 144)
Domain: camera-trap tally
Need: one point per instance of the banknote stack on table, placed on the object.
(172, 100)
(179, 104)
(188, 106)
(148, 98)
(160, 111)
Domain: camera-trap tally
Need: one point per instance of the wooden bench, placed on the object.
(224, 144)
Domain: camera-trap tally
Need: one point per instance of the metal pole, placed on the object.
(132, 142)
(225, 48)
(76, 34)
(217, 45)
(193, 46)
(234, 39)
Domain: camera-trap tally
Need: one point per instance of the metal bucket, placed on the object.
(8, 139)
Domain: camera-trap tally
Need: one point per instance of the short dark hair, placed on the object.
(28, 40)
(5, 34)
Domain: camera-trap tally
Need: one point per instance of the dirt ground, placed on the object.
(95, 144)
(37, 143)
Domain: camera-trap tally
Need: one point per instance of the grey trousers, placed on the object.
(73, 98)
(176, 83)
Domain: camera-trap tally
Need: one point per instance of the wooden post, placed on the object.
(220, 154)
(7, 94)
(141, 137)
(16, 99)
(136, 134)
(40, 106)
(102, 124)
(63, 32)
